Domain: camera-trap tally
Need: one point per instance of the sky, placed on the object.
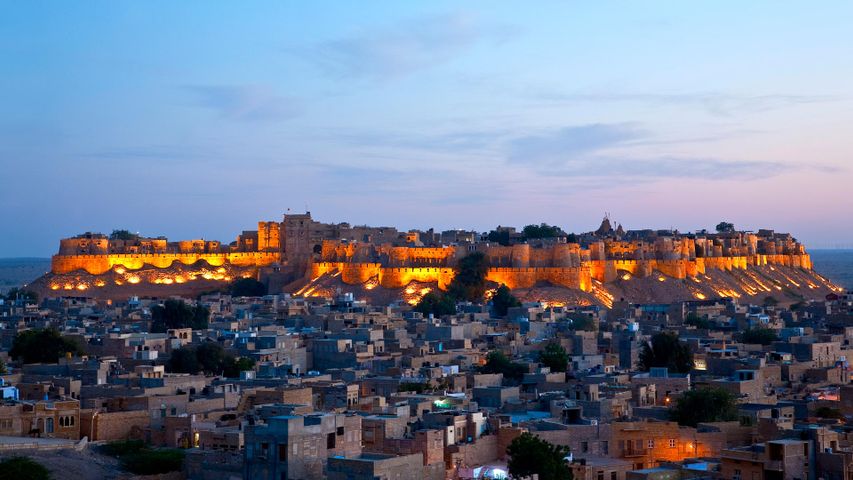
(197, 119)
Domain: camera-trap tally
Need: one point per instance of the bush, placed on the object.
(705, 405)
(247, 287)
(23, 468)
(761, 336)
(42, 346)
(530, 455)
(177, 314)
(666, 350)
(503, 300)
(153, 462)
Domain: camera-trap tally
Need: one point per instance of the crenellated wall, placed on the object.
(99, 264)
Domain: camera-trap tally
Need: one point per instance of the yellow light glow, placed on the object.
(661, 278)
(627, 276)
(220, 270)
(54, 286)
(134, 280)
(410, 290)
(699, 295)
(120, 270)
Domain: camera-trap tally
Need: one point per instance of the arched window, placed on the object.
(48, 427)
(61, 421)
(72, 421)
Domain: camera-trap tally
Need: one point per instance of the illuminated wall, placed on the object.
(99, 264)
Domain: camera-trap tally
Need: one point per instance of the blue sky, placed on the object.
(196, 119)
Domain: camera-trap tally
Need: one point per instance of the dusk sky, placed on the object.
(197, 119)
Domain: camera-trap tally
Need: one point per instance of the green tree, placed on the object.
(705, 405)
(437, 304)
(237, 365)
(247, 287)
(571, 238)
(497, 362)
(725, 227)
(554, 356)
(541, 231)
(42, 346)
(503, 300)
(499, 236)
(212, 358)
(178, 314)
(530, 455)
(469, 284)
(23, 468)
(666, 350)
(762, 336)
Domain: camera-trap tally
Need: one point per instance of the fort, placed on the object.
(300, 249)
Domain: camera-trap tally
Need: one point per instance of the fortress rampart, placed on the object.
(100, 264)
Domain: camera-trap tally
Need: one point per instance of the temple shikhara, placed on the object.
(302, 256)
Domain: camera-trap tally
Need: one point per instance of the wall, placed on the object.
(100, 264)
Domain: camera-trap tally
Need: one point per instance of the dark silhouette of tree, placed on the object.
(469, 284)
(183, 360)
(697, 321)
(437, 304)
(497, 362)
(499, 236)
(23, 468)
(178, 314)
(208, 358)
(770, 301)
(242, 364)
(725, 227)
(26, 297)
(123, 235)
(42, 346)
(828, 412)
(554, 356)
(705, 405)
(530, 455)
(541, 231)
(503, 300)
(583, 321)
(666, 350)
(571, 238)
(761, 336)
(247, 287)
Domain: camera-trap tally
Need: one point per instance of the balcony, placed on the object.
(634, 452)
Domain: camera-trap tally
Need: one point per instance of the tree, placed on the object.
(770, 301)
(212, 358)
(697, 321)
(761, 336)
(178, 314)
(470, 280)
(122, 235)
(24, 296)
(437, 304)
(828, 412)
(247, 287)
(571, 238)
(582, 321)
(183, 360)
(541, 231)
(666, 350)
(725, 227)
(503, 300)
(497, 362)
(530, 455)
(554, 356)
(705, 405)
(42, 346)
(499, 236)
(241, 364)
(23, 468)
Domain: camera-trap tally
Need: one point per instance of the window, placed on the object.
(612, 475)
(330, 440)
(49, 426)
(651, 443)
(584, 447)
(604, 447)
(282, 452)
(600, 475)
(736, 475)
(671, 443)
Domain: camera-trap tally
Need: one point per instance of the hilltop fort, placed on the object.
(301, 255)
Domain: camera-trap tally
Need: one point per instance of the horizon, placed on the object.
(197, 120)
